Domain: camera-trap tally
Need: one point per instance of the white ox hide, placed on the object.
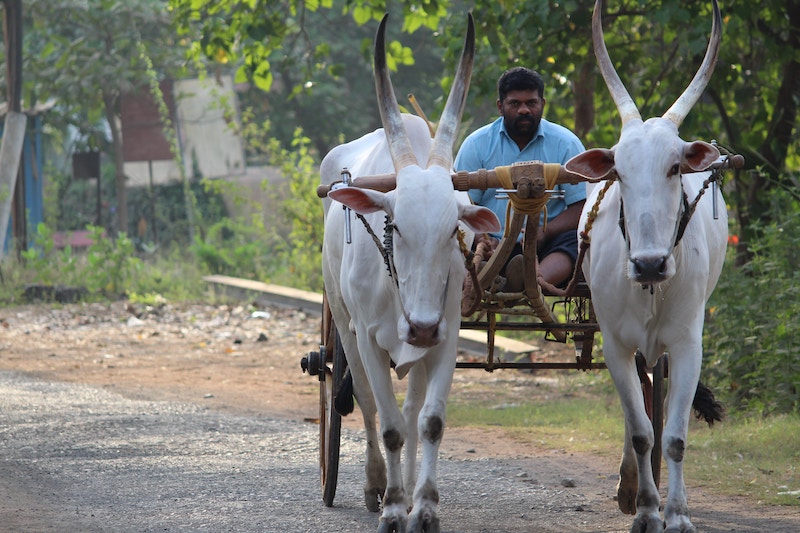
(414, 323)
(648, 292)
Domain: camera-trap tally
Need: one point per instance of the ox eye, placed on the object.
(676, 169)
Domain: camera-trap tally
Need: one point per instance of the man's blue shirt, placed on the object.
(491, 146)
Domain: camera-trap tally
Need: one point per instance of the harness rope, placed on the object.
(385, 249)
(586, 240)
(689, 209)
(527, 206)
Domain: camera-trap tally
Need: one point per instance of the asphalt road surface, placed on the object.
(80, 458)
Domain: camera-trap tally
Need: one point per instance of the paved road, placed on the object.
(80, 458)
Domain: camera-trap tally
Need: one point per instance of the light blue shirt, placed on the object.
(491, 146)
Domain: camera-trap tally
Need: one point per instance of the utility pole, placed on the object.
(12, 182)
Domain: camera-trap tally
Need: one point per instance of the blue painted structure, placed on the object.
(31, 165)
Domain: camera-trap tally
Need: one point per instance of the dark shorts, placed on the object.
(566, 242)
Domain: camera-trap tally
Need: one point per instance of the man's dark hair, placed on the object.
(519, 79)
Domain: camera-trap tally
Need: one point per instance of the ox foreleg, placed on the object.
(628, 484)
(639, 439)
(415, 396)
(375, 467)
(430, 426)
(684, 376)
(393, 434)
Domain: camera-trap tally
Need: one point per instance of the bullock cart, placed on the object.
(560, 314)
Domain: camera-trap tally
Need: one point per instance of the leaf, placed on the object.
(362, 15)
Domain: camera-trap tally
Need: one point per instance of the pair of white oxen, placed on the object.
(411, 317)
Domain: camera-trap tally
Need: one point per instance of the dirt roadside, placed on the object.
(241, 360)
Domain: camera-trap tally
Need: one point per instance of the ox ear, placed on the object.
(595, 164)
(479, 219)
(699, 155)
(362, 201)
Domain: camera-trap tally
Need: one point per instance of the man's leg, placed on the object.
(556, 268)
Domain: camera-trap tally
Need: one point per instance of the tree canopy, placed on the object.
(85, 56)
(750, 104)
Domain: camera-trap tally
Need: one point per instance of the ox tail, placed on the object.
(705, 405)
(343, 400)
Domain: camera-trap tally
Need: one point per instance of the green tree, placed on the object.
(751, 102)
(309, 63)
(84, 55)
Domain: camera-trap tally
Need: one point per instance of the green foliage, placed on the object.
(78, 51)
(303, 211)
(261, 37)
(752, 337)
(151, 298)
(173, 274)
(159, 216)
(320, 75)
(234, 249)
(282, 245)
(49, 265)
(108, 267)
(112, 263)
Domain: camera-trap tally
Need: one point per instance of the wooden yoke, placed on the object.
(489, 179)
(479, 179)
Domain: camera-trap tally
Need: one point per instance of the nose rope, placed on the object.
(388, 260)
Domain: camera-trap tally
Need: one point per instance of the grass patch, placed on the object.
(756, 458)
(578, 424)
(553, 410)
(759, 458)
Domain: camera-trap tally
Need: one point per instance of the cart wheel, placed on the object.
(330, 422)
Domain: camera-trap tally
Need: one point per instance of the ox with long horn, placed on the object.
(410, 315)
(651, 268)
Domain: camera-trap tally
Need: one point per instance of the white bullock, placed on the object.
(410, 318)
(649, 291)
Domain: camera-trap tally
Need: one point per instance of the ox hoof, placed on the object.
(647, 524)
(372, 499)
(683, 529)
(428, 524)
(626, 497)
(391, 525)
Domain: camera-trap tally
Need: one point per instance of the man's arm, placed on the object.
(467, 159)
(567, 220)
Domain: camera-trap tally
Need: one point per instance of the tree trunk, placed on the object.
(780, 137)
(111, 102)
(583, 88)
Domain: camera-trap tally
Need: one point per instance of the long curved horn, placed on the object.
(625, 104)
(392, 120)
(692, 94)
(442, 149)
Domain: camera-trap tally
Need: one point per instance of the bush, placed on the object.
(108, 266)
(752, 337)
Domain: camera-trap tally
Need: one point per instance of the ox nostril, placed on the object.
(650, 268)
(423, 334)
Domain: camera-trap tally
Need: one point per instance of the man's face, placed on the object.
(521, 112)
